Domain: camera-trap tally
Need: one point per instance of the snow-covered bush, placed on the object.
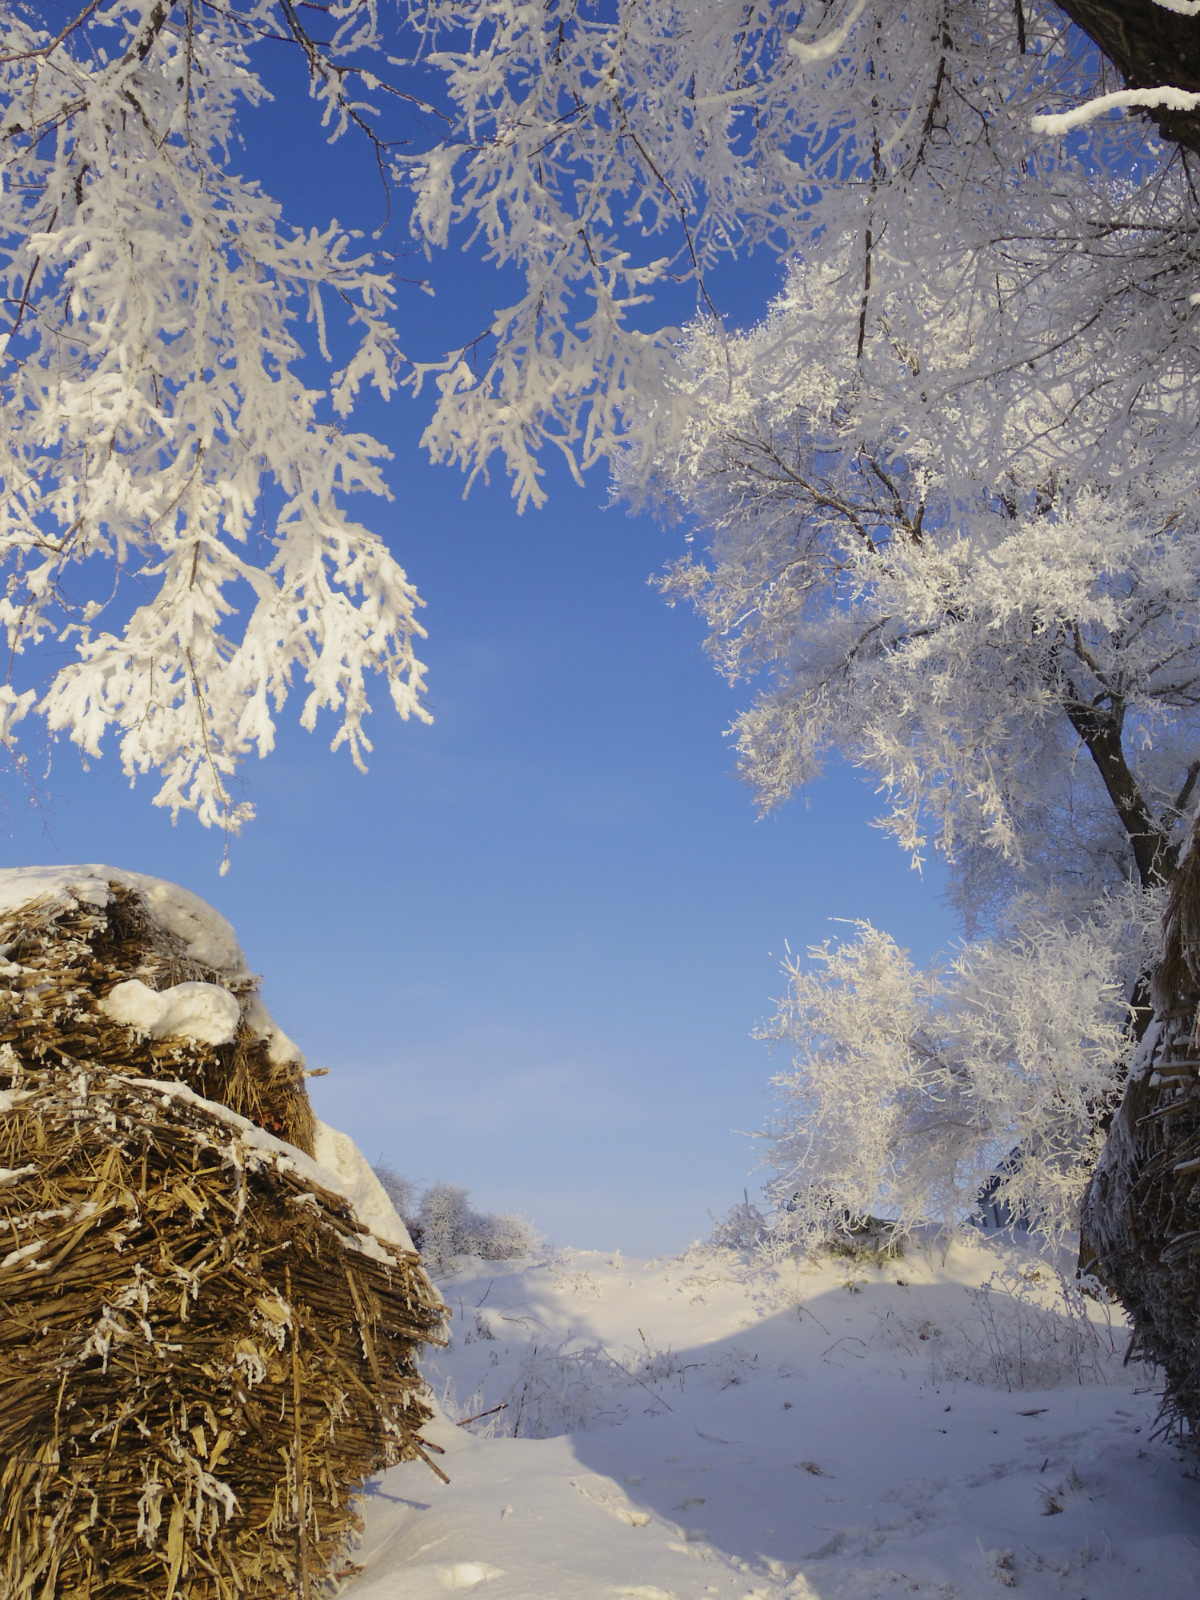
(744, 1226)
(562, 1391)
(401, 1191)
(909, 1089)
(568, 1387)
(501, 1236)
(443, 1225)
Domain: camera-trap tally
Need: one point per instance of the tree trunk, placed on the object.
(1150, 47)
(1140, 1223)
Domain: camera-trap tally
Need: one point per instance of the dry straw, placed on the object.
(204, 1352)
(1141, 1216)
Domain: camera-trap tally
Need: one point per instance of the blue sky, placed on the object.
(532, 943)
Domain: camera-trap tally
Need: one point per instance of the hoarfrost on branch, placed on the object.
(608, 155)
(155, 418)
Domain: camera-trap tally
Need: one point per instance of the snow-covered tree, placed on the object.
(910, 1089)
(950, 504)
(1015, 661)
(444, 1225)
(1015, 658)
(173, 491)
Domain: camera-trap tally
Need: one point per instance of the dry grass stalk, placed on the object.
(204, 1351)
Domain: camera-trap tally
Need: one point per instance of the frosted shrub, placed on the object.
(442, 1222)
(1028, 1345)
(909, 1088)
(560, 1391)
(443, 1225)
(743, 1227)
(501, 1236)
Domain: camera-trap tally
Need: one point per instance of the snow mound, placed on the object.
(209, 938)
(706, 1428)
(339, 1154)
(201, 1011)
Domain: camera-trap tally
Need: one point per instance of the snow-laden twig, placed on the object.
(156, 420)
(828, 44)
(1058, 122)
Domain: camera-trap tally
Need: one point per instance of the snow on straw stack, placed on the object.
(208, 1339)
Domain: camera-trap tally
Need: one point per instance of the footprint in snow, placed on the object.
(466, 1574)
(605, 1492)
(626, 1514)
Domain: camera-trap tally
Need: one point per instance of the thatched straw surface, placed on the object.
(204, 1350)
(1141, 1213)
(70, 955)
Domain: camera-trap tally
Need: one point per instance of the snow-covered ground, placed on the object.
(688, 1428)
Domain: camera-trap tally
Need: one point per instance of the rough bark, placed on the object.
(1150, 47)
(1100, 730)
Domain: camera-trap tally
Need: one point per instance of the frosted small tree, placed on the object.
(163, 465)
(909, 1089)
(444, 1225)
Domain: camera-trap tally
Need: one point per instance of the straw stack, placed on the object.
(204, 1350)
(1140, 1220)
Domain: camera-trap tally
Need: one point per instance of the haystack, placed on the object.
(1140, 1221)
(205, 1348)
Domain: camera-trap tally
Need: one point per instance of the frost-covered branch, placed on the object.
(155, 418)
(1055, 123)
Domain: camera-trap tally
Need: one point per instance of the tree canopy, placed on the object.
(939, 500)
(607, 153)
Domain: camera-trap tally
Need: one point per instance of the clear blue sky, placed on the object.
(532, 943)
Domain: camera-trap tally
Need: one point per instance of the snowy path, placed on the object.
(785, 1436)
